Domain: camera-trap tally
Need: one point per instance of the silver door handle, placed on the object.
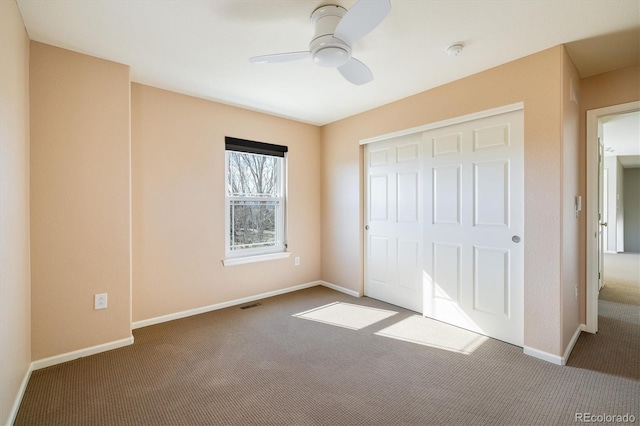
(603, 224)
(366, 227)
(515, 239)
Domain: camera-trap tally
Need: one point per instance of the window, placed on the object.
(255, 198)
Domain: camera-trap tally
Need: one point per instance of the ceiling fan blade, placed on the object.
(356, 72)
(279, 57)
(361, 19)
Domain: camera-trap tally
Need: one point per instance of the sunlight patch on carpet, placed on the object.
(428, 332)
(346, 315)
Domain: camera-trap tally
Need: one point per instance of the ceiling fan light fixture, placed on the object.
(331, 56)
(328, 51)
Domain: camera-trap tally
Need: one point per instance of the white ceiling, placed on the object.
(201, 47)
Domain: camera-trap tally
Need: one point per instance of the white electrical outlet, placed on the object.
(296, 261)
(100, 301)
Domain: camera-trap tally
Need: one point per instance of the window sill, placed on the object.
(253, 259)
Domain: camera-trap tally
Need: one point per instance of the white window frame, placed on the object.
(249, 255)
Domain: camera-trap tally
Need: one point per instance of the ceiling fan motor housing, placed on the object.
(327, 50)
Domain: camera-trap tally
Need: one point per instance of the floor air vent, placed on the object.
(250, 306)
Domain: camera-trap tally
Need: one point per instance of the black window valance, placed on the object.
(252, 147)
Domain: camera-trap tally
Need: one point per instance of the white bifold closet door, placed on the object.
(445, 217)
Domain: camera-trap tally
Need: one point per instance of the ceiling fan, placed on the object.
(336, 31)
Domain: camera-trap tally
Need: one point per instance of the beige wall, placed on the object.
(610, 88)
(178, 203)
(80, 200)
(599, 91)
(15, 329)
(573, 264)
(537, 81)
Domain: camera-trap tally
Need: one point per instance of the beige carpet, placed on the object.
(267, 366)
(622, 278)
(615, 349)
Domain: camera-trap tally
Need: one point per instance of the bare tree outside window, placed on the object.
(254, 190)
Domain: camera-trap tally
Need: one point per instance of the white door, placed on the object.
(393, 245)
(473, 226)
(605, 211)
(602, 222)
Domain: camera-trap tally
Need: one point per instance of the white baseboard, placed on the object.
(556, 359)
(70, 356)
(545, 356)
(215, 307)
(19, 396)
(340, 289)
(572, 342)
(235, 302)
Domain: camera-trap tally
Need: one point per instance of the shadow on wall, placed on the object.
(620, 49)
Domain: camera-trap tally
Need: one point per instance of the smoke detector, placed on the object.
(454, 49)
